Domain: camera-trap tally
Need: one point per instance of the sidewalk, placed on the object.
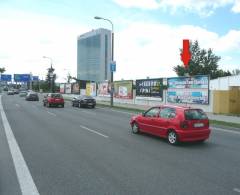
(211, 116)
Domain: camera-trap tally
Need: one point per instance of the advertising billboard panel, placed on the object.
(151, 88)
(68, 88)
(103, 89)
(192, 90)
(91, 89)
(123, 89)
(62, 88)
(75, 88)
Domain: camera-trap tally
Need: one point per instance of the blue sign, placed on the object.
(6, 77)
(22, 77)
(35, 78)
(113, 66)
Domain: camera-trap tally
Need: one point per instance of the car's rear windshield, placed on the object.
(195, 114)
(56, 95)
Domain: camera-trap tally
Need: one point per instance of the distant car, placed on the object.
(53, 99)
(32, 96)
(16, 91)
(10, 92)
(84, 101)
(176, 123)
(23, 93)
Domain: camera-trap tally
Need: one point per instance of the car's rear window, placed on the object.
(56, 96)
(195, 114)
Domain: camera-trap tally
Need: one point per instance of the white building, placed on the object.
(94, 55)
(225, 83)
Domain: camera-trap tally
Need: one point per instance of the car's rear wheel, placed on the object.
(63, 105)
(172, 137)
(79, 105)
(135, 128)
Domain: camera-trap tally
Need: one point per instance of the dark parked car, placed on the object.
(84, 101)
(176, 123)
(32, 96)
(53, 99)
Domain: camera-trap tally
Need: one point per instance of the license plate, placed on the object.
(198, 125)
(90, 103)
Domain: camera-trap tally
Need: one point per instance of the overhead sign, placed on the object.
(6, 77)
(113, 66)
(35, 78)
(192, 90)
(22, 77)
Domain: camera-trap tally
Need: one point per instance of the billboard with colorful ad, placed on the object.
(68, 88)
(91, 89)
(123, 89)
(103, 89)
(75, 88)
(62, 88)
(149, 88)
(191, 90)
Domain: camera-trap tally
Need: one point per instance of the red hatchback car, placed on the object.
(176, 123)
(53, 99)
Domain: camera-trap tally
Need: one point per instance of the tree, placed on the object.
(2, 70)
(236, 72)
(203, 62)
(50, 78)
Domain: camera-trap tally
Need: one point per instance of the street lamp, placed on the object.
(100, 18)
(51, 75)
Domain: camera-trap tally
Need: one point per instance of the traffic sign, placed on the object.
(113, 66)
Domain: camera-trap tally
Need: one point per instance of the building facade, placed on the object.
(94, 55)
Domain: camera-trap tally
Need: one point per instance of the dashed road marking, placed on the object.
(236, 190)
(227, 131)
(25, 179)
(53, 114)
(93, 131)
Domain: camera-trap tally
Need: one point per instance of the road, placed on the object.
(92, 151)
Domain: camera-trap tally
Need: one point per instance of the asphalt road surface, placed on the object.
(92, 151)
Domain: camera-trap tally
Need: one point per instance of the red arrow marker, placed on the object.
(186, 54)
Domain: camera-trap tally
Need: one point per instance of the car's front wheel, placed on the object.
(172, 137)
(135, 128)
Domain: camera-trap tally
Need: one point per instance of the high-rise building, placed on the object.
(94, 55)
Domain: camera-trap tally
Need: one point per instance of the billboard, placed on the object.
(68, 88)
(103, 89)
(6, 77)
(22, 77)
(151, 88)
(191, 90)
(91, 89)
(123, 89)
(62, 87)
(75, 88)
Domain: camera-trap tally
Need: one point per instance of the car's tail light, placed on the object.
(184, 124)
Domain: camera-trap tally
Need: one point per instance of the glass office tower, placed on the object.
(94, 55)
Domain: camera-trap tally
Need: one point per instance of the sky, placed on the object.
(148, 34)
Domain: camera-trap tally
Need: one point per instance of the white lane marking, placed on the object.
(236, 190)
(25, 179)
(51, 113)
(130, 113)
(227, 131)
(87, 112)
(18, 105)
(93, 131)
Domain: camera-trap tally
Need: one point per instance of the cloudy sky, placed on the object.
(148, 33)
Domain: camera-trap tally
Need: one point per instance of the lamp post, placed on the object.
(50, 73)
(111, 93)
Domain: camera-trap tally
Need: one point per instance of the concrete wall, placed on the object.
(224, 83)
